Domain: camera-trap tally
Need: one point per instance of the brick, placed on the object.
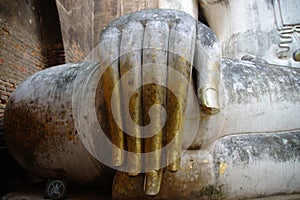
(3, 97)
(13, 82)
(5, 79)
(9, 89)
(5, 93)
(8, 84)
(2, 106)
(2, 87)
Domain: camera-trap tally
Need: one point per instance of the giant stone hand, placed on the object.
(149, 58)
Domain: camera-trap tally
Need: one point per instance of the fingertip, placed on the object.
(173, 160)
(210, 101)
(117, 157)
(152, 182)
(133, 165)
(173, 167)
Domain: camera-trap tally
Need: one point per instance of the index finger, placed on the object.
(131, 58)
(181, 53)
(207, 64)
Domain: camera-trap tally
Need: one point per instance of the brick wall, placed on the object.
(6, 88)
(21, 48)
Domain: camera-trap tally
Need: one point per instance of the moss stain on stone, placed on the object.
(210, 192)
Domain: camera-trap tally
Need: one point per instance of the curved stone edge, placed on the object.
(40, 132)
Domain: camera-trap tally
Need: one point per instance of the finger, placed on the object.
(152, 181)
(154, 56)
(109, 50)
(181, 52)
(207, 63)
(131, 58)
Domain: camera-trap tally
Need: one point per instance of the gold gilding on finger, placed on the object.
(209, 100)
(134, 165)
(296, 55)
(110, 78)
(153, 94)
(173, 160)
(152, 182)
(128, 61)
(176, 106)
(117, 156)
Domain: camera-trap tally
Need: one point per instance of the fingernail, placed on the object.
(134, 165)
(173, 160)
(117, 156)
(152, 182)
(210, 101)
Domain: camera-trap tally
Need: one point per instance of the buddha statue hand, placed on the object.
(149, 58)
